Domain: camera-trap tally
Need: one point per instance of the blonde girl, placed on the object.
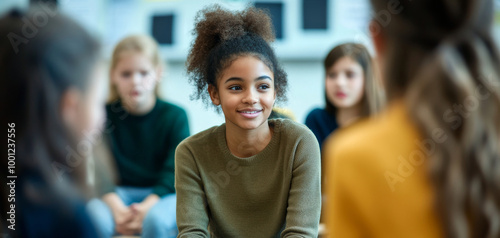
(143, 132)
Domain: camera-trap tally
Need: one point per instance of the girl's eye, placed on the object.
(235, 88)
(126, 74)
(144, 73)
(264, 87)
(332, 75)
(349, 74)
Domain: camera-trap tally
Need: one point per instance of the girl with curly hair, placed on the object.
(251, 176)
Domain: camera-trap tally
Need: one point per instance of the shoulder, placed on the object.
(320, 116)
(114, 107)
(296, 134)
(204, 138)
(315, 113)
(373, 144)
(170, 107)
(293, 129)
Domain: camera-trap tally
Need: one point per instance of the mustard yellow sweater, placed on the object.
(377, 180)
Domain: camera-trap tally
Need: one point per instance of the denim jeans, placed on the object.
(159, 221)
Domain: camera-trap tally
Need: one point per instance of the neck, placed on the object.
(140, 109)
(245, 143)
(347, 116)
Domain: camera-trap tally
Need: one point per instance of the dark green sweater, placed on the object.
(144, 146)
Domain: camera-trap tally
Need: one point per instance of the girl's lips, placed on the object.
(250, 113)
(134, 94)
(340, 95)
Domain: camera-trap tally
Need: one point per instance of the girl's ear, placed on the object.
(159, 74)
(69, 106)
(378, 39)
(214, 95)
(112, 76)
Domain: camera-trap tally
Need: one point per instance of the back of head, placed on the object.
(39, 63)
(440, 57)
(221, 37)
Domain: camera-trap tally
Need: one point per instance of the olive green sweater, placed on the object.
(274, 193)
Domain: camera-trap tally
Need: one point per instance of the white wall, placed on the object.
(301, 52)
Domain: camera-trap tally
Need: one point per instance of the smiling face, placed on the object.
(345, 83)
(135, 79)
(245, 91)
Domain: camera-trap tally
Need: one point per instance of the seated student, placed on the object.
(351, 90)
(251, 176)
(429, 165)
(54, 97)
(351, 93)
(143, 134)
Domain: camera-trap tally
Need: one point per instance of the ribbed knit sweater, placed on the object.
(271, 194)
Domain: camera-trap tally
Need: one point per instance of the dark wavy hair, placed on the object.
(221, 37)
(441, 56)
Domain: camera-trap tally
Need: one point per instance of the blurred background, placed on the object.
(306, 30)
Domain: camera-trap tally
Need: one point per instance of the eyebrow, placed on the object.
(240, 79)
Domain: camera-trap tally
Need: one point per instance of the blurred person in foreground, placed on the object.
(429, 166)
(54, 97)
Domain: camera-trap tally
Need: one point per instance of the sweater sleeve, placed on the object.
(179, 131)
(192, 208)
(304, 199)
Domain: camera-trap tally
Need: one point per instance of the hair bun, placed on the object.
(214, 25)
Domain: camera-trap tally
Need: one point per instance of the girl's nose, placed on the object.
(251, 97)
(136, 78)
(341, 80)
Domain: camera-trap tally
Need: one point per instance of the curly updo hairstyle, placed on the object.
(222, 36)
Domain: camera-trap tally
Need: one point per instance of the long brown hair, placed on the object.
(373, 98)
(441, 58)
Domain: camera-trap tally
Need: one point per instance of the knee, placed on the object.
(101, 217)
(156, 218)
(160, 222)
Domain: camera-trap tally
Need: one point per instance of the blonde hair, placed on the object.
(135, 43)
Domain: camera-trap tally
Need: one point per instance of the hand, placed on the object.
(122, 214)
(139, 211)
(123, 218)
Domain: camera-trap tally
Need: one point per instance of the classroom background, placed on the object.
(306, 30)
